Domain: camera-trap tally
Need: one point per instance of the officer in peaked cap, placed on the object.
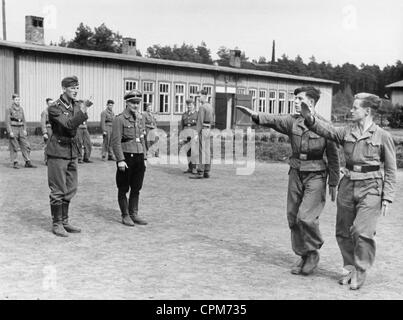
(129, 147)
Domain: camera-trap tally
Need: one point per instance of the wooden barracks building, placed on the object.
(35, 70)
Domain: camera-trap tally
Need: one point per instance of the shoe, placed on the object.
(206, 175)
(65, 219)
(88, 161)
(127, 221)
(80, 161)
(57, 226)
(311, 263)
(15, 165)
(346, 277)
(59, 230)
(196, 176)
(297, 267)
(135, 218)
(28, 164)
(357, 279)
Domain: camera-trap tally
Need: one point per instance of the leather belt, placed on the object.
(363, 169)
(307, 156)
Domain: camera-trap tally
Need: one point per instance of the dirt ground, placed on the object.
(222, 238)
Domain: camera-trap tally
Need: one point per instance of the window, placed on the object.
(252, 92)
(148, 94)
(179, 98)
(130, 85)
(262, 100)
(291, 102)
(164, 97)
(281, 102)
(241, 91)
(209, 90)
(272, 101)
(193, 91)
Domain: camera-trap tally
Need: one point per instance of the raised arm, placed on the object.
(57, 115)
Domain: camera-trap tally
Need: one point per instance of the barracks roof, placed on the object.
(398, 84)
(160, 62)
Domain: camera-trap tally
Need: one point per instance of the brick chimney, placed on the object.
(34, 32)
(129, 46)
(235, 58)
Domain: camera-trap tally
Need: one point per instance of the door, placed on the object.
(220, 110)
(239, 118)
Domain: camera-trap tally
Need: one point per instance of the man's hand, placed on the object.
(25, 133)
(122, 165)
(247, 111)
(11, 135)
(145, 163)
(45, 137)
(86, 104)
(332, 192)
(104, 133)
(384, 209)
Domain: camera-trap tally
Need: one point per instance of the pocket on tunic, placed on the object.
(128, 132)
(372, 150)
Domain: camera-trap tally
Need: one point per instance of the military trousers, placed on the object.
(84, 140)
(62, 180)
(305, 201)
(19, 140)
(358, 209)
(106, 144)
(204, 154)
(49, 132)
(130, 179)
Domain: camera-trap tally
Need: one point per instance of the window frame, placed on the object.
(254, 98)
(284, 111)
(148, 93)
(168, 95)
(262, 108)
(272, 102)
(183, 97)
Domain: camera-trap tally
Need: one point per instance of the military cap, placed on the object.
(310, 92)
(134, 95)
(110, 102)
(15, 95)
(70, 82)
(203, 92)
(189, 101)
(369, 100)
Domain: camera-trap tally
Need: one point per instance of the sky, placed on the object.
(355, 31)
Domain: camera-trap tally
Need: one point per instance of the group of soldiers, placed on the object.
(363, 194)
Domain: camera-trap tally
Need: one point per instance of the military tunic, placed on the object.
(106, 127)
(362, 188)
(15, 123)
(307, 179)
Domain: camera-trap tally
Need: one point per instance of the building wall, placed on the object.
(397, 96)
(6, 79)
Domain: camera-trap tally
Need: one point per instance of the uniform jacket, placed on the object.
(189, 119)
(106, 119)
(45, 121)
(374, 147)
(128, 135)
(204, 116)
(308, 148)
(64, 122)
(15, 117)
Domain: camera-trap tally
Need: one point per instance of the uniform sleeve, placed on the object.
(282, 124)
(103, 117)
(200, 119)
(116, 139)
(327, 130)
(143, 139)
(43, 122)
(389, 158)
(8, 121)
(23, 120)
(56, 115)
(333, 162)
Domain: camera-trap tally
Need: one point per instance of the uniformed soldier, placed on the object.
(203, 126)
(189, 121)
(84, 141)
(128, 143)
(307, 178)
(364, 192)
(65, 115)
(17, 133)
(46, 127)
(151, 124)
(106, 126)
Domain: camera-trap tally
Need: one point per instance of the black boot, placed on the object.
(57, 228)
(134, 208)
(122, 200)
(65, 215)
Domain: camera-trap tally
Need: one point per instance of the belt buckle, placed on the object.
(357, 168)
(303, 156)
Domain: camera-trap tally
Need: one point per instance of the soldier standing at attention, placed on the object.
(65, 115)
(189, 121)
(106, 126)
(203, 126)
(17, 133)
(84, 140)
(150, 124)
(364, 192)
(128, 143)
(46, 127)
(307, 178)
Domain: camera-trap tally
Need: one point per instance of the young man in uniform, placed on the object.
(364, 192)
(307, 178)
(189, 121)
(46, 127)
(203, 126)
(65, 115)
(150, 124)
(84, 141)
(17, 133)
(128, 143)
(106, 126)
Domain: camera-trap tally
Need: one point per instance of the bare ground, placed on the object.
(222, 238)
